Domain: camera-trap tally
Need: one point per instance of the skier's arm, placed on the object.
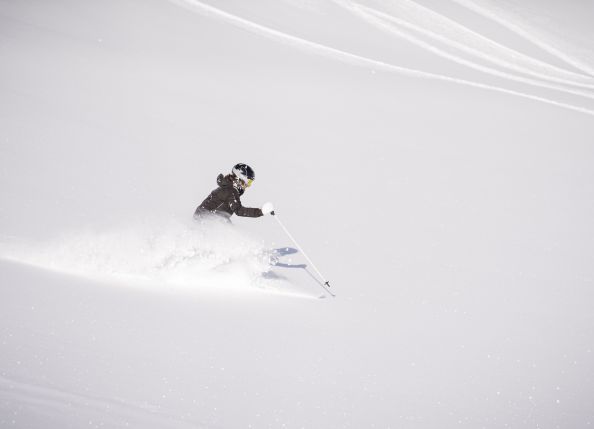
(240, 210)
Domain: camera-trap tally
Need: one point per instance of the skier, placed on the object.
(225, 200)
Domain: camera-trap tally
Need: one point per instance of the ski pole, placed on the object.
(326, 282)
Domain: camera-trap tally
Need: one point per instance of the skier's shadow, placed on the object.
(284, 251)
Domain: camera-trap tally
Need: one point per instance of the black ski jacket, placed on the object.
(225, 201)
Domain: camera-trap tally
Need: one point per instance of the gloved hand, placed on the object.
(268, 209)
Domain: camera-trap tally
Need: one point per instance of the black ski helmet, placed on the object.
(244, 172)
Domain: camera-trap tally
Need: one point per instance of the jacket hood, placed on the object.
(224, 180)
(227, 181)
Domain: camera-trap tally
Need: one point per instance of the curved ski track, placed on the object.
(518, 30)
(113, 410)
(393, 25)
(409, 14)
(327, 51)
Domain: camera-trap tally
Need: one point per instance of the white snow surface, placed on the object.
(433, 157)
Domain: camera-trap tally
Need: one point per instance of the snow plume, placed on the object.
(191, 254)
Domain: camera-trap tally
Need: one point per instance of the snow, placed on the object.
(182, 254)
(433, 158)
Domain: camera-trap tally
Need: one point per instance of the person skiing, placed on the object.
(225, 200)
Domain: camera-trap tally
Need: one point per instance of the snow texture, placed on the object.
(432, 157)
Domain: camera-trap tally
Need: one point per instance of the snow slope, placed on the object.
(433, 157)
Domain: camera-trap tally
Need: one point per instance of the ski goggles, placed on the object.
(243, 183)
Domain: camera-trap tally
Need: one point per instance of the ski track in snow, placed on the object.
(413, 16)
(520, 31)
(470, 291)
(313, 47)
(393, 25)
(112, 410)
